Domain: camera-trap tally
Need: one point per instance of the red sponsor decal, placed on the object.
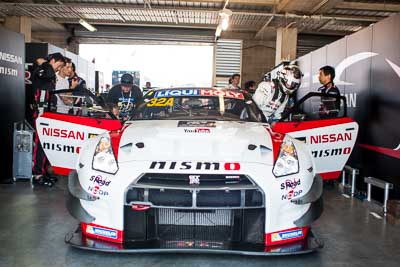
(64, 133)
(232, 166)
(224, 93)
(331, 152)
(96, 189)
(286, 236)
(102, 232)
(197, 130)
(202, 130)
(330, 138)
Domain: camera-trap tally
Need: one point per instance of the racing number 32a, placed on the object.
(161, 102)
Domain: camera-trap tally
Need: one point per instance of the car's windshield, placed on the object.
(195, 104)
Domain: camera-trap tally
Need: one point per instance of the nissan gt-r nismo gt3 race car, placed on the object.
(199, 170)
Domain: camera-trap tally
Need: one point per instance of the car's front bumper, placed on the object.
(77, 240)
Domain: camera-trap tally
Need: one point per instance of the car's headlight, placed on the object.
(287, 162)
(104, 158)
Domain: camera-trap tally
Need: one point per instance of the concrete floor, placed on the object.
(33, 224)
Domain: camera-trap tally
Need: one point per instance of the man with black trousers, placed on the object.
(43, 82)
(329, 107)
(125, 95)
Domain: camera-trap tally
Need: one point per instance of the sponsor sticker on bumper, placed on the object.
(102, 232)
(286, 235)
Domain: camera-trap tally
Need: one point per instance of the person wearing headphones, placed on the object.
(272, 96)
(125, 95)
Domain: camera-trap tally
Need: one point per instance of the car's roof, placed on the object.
(198, 88)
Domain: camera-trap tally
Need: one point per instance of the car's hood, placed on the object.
(173, 140)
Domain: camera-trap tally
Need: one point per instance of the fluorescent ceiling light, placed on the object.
(225, 14)
(88, 26)
(218, 32)
(225, 24)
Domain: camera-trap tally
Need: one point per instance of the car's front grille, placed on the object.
(222, 225)
(243, 194)
(196, 198)
(211, 211)
(170, 197)
(194, 224)
(194, 217)
(179, 179)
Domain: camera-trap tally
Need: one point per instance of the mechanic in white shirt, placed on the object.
(272, 96)
(64, 102)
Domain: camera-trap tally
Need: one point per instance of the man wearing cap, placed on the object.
(125, 95)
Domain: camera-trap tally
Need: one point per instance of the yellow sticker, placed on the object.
(161, 102)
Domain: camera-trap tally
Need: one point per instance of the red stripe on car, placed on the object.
(330, 175)
(61, 170)
(106, 124)
(289, 127)
(116, 139)
(277, 139)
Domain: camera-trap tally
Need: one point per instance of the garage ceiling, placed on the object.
(329, 16)
(194, 20)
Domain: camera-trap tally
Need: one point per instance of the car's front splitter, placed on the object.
(308, 245)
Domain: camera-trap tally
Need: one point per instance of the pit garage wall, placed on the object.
(12, 94)
(367, 67)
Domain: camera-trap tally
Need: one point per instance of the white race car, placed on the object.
(198, 170)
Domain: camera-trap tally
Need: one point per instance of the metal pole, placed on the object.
(343, 177)
(386, 198)
(369, 192)
(353, 182)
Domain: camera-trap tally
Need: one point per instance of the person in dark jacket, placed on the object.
(329, 107)
(81, 87)
(125, 95)
(250, 86)
(43, 82)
